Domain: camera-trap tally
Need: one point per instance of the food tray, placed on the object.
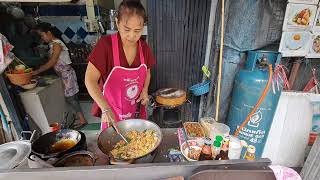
(314, 46)
(194, 125)
(295, 43)
(299, 17)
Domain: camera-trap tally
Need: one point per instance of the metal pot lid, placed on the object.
(13, 153)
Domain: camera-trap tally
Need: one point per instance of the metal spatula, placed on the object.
(118, 131)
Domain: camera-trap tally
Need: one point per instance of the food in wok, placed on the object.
(140, 143)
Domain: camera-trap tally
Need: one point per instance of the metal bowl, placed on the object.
(109, 137)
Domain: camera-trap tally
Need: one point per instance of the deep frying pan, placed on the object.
(42, 147)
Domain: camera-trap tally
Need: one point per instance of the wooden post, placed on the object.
(294, 73)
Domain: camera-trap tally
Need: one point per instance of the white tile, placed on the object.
(65, 38)
(90, 39)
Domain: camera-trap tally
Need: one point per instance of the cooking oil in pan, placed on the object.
(63, 145)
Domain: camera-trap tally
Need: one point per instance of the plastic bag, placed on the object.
(7, 55)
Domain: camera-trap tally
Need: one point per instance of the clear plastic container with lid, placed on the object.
(206, 123)
(219, 129)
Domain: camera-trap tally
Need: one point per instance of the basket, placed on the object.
(201, 88)
(19, 79)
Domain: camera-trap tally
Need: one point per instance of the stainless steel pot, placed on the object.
(15, 154)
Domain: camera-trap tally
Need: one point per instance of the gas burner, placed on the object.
(170, 116)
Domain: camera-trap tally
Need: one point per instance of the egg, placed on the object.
(297, 37)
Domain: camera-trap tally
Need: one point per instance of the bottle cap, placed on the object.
(207, 141)
(251, 149)
(219, 138)
(217, 144)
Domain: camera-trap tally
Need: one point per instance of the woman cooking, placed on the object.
(118, 73)
(59, 59)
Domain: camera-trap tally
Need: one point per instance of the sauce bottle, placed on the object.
(216, 149)
(223, 155)
(206, 150)
(250, 153)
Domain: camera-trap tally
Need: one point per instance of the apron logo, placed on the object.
(125, 116)
(132, 91)
(255, 119)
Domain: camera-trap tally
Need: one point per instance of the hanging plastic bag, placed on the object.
(312, 85)
(6, 55)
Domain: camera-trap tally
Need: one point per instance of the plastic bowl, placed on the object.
(195, 144)
(201, 88)
(31, 85)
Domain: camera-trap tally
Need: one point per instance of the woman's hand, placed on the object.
(108, 117)
(144, 98)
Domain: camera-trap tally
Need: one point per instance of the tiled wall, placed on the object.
(68, 19)
(72, 29)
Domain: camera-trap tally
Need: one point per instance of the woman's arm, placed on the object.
(144, 97)
(56, 50)
(147, 81)
(91, 81)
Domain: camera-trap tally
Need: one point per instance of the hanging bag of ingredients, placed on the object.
(5, 53)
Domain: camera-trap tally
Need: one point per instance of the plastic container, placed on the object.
(206, 123)
(219, 129)
(188, 130)
(235, 148)
(55, 127)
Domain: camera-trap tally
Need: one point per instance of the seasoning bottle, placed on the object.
(250, 153)
(216, 149)
(223, 155)
(206, 150)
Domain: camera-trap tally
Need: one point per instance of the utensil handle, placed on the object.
(104, 125)
(40, 161)
(137, 113)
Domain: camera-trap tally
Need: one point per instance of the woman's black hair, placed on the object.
(131, 7)
(46, 27)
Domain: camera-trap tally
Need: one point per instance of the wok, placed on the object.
(43, 146)
(109, 137)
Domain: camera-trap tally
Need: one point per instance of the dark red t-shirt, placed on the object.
(102, 57)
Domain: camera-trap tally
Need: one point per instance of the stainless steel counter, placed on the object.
(161, 168)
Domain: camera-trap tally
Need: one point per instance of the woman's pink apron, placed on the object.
(123, 86)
